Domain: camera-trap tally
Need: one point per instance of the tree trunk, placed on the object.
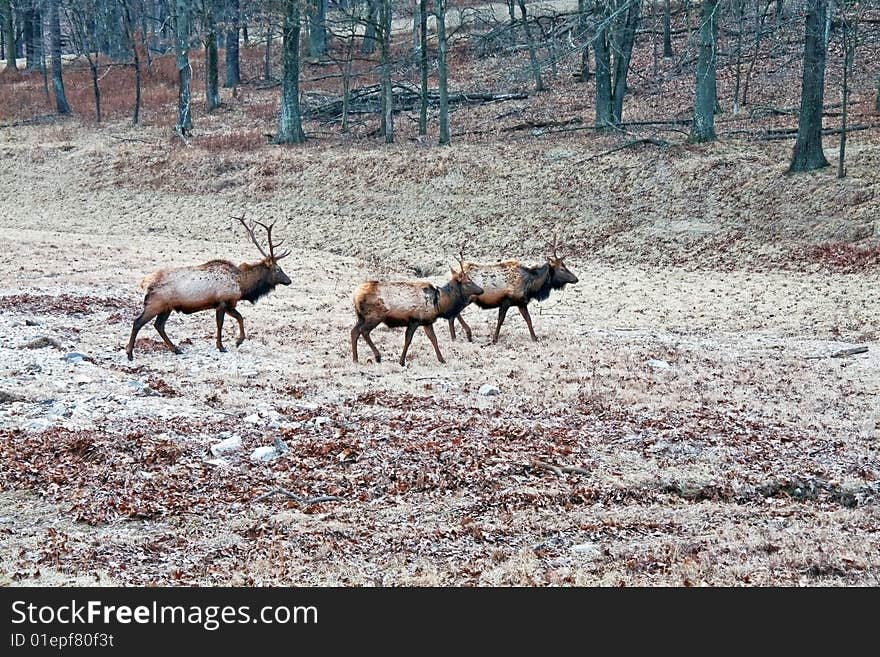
(808, 154)
(703, 127)
(387, 123)
(290, 130)
(232, 75)
(136, 60)
(267, 56)
(877, 100)
(623, 54)
(369, 44)
(57, 80)
(442, 46)
(741, 12)
(603, 68)
(533, 58)
(96, 88)
(849, 47)
(317, 28)
(9, 34)
(667, 30)
(184, 71)
(28, 24)
(584, 39)
(212, 93)
(423, 66)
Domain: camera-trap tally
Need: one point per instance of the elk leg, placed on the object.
(467, 329)
(452, 327)
(161, 318)
(410, 330)
(139, 323)
(429, 330)
(502, 311)
(355, 334)
(232, 312)
(524, 311)
(369, 341)
(221, 312)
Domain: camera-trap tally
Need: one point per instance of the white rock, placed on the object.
(586, 549)
(321, 420)
(253, 419)
(280, 446)
(264, 454)
(232, 444)
(487, 390)
(659, 364)
(217, 462)
(39, 424)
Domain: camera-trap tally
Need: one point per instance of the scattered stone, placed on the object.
(31, 322)
(488, 390)
(253, 419)
(280, 446)
(559, 154)
(38, 424)
(232, 444)
(250, 375)
(217, 462)
(659, 364)
(264, 454)
(7, 397)
(587, 550)
(320, 421)
(75, 357)
(43, 341)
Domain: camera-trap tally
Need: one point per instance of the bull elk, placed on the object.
(510, 283)
(410, 304)
(217, 284)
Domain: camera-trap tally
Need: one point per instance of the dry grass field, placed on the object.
(680, 421)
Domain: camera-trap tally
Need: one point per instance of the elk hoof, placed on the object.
(470, 338)
(442, 361)
(221, 349)
(129, 354)
(238, 342)
(177, 350)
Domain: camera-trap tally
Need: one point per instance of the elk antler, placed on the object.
(461, 258)
(555, 246)
(250, 231)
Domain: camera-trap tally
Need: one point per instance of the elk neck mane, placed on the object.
(456, 300)
(540, 282)
(255, 280)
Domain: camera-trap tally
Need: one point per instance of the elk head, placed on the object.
(561, 275)
(468, 287)
(270, 260)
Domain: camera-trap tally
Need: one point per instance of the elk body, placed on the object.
(217, 284)
(410, 304)
(510, 283)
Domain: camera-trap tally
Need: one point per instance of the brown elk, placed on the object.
(411, 304)
(217, 284)
(510, 283)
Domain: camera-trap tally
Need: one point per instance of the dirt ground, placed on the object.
(706, 437)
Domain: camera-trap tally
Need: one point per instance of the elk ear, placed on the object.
(454, 273)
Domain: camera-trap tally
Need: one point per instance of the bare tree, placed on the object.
(851, 14)
(290, 130)
(423, 66)
(705, 95)
(611, 72)
(440, 11)
(9, 35)
(667, 30)
(383, 33)
(808, 154)
(317, 10)
(133, 39)
(184, 70)
(212, 92)
(232, 75)
(83, 18)
(533, 58)
(57, 80)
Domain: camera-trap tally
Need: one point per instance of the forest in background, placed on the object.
(382, 68)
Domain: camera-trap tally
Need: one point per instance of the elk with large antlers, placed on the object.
(410, 304)
(510, 283)
(218, 284)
